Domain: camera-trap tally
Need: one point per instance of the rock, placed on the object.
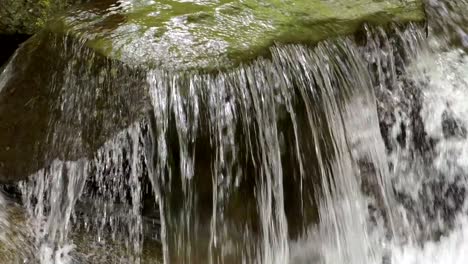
(212, 35)
(452, 126)
(18, 246)
(28, 16)
(432, 210)
(48, 111)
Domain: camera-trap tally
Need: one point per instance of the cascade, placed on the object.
(351, 150)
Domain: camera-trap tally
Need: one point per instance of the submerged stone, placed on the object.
(219, 34)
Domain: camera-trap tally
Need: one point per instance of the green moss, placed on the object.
(213, 34)
(29, 16)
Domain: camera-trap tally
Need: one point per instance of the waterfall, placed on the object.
(218, 149)
(352, 150)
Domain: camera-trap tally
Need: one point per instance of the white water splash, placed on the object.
(61, 255)
(451, 249)
(443, 80)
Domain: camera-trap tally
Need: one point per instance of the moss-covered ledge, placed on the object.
(219, 34)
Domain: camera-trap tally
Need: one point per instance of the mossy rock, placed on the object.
(28, 16)
(219, 34)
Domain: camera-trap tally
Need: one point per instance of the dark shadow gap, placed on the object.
(9, 44)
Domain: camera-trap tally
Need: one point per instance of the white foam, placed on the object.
(451, 249)
(61, 255)
(443, 80)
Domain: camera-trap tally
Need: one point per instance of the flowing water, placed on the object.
(354, 150)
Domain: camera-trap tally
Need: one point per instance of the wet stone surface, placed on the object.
(452, 127)
(207, 35)
(29, 16)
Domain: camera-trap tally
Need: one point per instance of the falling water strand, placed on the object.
(249, 102)
(50, 198)
(53, 195)
(241, 114)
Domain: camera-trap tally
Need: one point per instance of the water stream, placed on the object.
(353, 151)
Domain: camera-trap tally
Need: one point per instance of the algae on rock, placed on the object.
(28, 16)
(218, 34)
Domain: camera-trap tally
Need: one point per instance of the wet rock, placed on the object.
(432, 212)
(399, 99)
(48, 110)
(194, 35)
(448, 22)
(401, 123)
(452, 127)
(18, 246)
(29, 16)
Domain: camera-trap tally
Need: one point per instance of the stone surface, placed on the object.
(58, 100)
(28, 16)
(211, 34)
